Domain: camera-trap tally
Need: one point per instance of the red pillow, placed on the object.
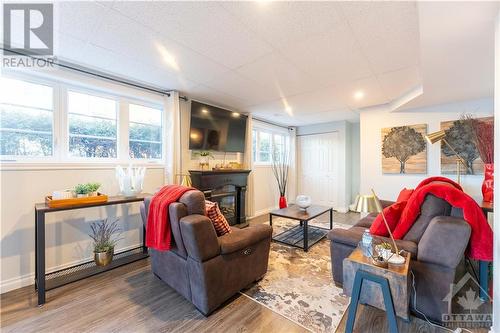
(218, 220)
(392, 215)
(405, 194)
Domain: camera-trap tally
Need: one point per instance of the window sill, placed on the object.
(35, 166)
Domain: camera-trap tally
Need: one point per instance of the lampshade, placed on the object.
(366, 204)
(432, 138)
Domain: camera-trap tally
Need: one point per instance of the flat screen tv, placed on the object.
(213, 128)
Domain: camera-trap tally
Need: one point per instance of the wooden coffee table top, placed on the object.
(358, 257)
(295, 213)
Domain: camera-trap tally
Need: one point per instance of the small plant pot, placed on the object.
(93, 194)
(82, 195)
(103, 258)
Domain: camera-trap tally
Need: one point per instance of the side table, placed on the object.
(384, 288)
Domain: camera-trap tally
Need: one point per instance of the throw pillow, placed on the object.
(392, 215)
(405, 194)
(218, 220)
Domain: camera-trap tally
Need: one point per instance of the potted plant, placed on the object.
(105, 235)
(93, 187)
(82, 190)
(204, 155)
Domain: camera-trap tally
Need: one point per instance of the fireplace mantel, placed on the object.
(228, 188)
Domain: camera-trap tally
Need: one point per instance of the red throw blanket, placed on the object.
(481, 241)
(158, 232)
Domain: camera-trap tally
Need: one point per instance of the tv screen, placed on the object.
(213, 128)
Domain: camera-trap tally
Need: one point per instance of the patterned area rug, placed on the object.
(299, 285)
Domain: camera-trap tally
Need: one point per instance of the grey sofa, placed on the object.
(208, 270)
(436, 241)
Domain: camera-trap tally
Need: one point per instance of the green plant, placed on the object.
(82, 189)
(386, 245)
(204, 153)
(105, 235)
(93, 187)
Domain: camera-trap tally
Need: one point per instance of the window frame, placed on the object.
(163, 127)
(272, 133)
(55, 102)
(61, 157)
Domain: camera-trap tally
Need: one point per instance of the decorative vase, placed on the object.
(487, 187)
(103, 258)
(303, 201)
(282, 202)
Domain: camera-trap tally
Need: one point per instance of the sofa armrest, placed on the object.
(240, 239)
(200, 239)
(444, 241)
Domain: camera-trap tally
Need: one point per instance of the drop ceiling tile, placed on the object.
(215, 97)
(397, 83)
(234, 84)
(277, 73)
(78, 19)
(388, 35)
(287, 21)
(201, 26)
(332, 58)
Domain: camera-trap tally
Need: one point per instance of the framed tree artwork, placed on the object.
(460, 137)
(404, 149)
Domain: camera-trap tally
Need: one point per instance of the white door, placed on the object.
(318, 167)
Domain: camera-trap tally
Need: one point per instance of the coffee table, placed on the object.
(304, 235)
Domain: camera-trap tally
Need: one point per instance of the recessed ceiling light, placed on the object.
(235, 114)
(359, 94)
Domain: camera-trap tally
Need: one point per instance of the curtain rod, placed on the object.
(84, 70)
(271, 123)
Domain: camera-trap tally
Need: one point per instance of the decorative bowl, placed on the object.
(303, 201)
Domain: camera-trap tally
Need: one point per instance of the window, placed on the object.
(145, 132)
(92, 126)
(26, 118)
(266, 145)
(44, 121)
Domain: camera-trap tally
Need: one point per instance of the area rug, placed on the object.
(299, 285)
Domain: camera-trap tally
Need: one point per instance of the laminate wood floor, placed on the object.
(130, 299)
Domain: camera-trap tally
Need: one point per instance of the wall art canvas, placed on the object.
(460, 138)
(404, 149)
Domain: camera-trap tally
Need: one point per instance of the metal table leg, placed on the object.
(40, 255)
(331, 219)
(271, 220)
(306, 236)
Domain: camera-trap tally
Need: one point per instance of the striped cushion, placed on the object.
(219, 221)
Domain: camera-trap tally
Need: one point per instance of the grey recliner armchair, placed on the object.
(437, 241)
(208, 270)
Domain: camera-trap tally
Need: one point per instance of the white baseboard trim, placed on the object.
(29, 279)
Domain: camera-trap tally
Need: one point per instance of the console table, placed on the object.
(45, 282)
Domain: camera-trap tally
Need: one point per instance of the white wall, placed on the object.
(355, 160)
(67, 240)
(371, 122)
(346, 172)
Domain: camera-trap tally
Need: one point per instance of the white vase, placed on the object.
(303, 201)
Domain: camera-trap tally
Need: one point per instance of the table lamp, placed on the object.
(432, 138)
(371, 204)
